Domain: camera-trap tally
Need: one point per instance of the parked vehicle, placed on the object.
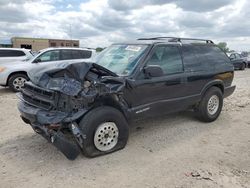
(238, 61)
(93, 103)
(14, 54)
(15, 74)
(247, 56)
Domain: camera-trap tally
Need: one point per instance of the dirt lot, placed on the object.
(171, 151)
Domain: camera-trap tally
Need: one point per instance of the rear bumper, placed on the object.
(228, 91)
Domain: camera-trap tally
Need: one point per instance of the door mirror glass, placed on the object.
(153, 71)
(37, 60)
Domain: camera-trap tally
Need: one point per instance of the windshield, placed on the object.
(120, 59)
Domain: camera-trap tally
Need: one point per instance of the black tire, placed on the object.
(243, 66)
(93, 119)
(202, 110)
(12, 80)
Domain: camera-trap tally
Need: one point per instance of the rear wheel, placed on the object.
(105, 130)
(211, 104)
(16, 81)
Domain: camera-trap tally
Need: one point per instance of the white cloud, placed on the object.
(101, 22)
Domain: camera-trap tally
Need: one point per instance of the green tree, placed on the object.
(223, 46)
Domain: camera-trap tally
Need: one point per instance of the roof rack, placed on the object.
(177, 39)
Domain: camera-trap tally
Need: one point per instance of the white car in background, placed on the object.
(15, 74)
(14, 54)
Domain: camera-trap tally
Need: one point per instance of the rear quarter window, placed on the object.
(208, 57)
(11, 53)
(85, 54)
(190, 60)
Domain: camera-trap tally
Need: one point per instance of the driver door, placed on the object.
(157, 95)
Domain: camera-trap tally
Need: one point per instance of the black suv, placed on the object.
(87, 106)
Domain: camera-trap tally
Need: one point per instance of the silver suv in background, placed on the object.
(15, 74)
(14, 54)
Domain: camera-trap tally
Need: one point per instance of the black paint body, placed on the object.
(135, 95)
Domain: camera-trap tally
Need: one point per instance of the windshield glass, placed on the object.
(120, 59)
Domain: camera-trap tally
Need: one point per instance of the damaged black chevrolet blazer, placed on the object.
(87, 106)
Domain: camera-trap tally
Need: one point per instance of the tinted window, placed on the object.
(66, 54)
(168, 58)
(232, 56)
(209, 56)
(85, 54)
(76, 54)
(189, 58)
(49, 56)
(11, 53)
(237, 56)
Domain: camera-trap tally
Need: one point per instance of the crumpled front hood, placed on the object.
(66, 78)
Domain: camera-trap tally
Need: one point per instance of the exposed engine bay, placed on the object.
(65, 93)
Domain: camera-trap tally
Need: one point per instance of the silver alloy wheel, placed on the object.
(18, 83)
(213, 104)
(106, 136)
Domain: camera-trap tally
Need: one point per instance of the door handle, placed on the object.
(173, 82)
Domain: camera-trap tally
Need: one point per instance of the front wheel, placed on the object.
(211, 104)
(243, 66)
(105, 130)
(16, 82)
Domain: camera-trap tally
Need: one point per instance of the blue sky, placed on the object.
(102, 22)
(68, 5)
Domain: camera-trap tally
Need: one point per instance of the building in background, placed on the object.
(37, 44)
(5, 43)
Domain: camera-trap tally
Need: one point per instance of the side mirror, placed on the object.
(37, 60)
(153, 71)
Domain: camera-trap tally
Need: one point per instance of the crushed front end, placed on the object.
(55, 99)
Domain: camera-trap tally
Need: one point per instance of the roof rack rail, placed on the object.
(177, 39)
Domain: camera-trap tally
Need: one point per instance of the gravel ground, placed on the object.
(171, 151)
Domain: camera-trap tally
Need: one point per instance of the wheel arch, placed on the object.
(113, 101)
(215, 83)
(16, 72)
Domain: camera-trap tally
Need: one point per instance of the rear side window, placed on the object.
(168, 58)
(208, 57)
(11, 53)
(85, 54)
(211, 53)
(75, 54)
(190, 60)
(66, 54)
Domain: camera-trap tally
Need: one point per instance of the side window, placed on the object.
(76, 54)
(49, 56)
(210, 56)
(66, 54)
(190, 61)
(11, 53)
(168, 58)
(3, 53)
(232, 56)
(85, 54)
(237, 56)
